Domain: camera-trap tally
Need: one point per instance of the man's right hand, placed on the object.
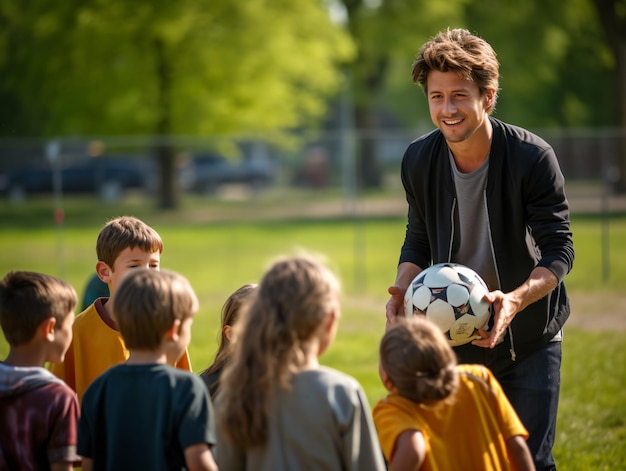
(395, 305)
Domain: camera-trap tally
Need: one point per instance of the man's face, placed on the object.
(456, 106)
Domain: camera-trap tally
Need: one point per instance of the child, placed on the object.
(144, 413)
(38, 412)
(440, 415)
(125, 243)
(230, 312)
(278, 409)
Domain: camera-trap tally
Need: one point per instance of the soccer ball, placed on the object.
(451, 296)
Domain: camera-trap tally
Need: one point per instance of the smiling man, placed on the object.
(491, 196)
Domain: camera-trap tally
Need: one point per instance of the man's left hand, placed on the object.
(505, 307)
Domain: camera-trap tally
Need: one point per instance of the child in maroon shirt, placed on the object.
(38, 412)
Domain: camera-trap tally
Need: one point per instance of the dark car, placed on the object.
(105, 176)
(205, 173)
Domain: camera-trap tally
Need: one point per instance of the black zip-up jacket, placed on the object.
(529, 221)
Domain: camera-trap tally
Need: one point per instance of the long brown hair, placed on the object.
(230, 314)
(294, 298)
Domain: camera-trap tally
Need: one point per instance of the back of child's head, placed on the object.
(124, 232)
(293, 298)
(419, 360)
(27, 299)
(146, 304)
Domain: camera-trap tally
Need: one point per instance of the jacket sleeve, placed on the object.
(416, 247)
(547, 209)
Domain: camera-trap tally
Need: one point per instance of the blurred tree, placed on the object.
(563, 64)
(387, 32)
(32, 37)
(612, 15)
(156, 67)
(555, 66)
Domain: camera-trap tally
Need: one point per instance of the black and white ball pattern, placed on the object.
(451, 296)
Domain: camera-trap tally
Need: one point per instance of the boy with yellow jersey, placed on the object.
(124, 243)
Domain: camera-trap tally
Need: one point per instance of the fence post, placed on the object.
(53, 149)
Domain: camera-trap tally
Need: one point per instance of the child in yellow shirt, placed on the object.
(440, 415)
(124, 243)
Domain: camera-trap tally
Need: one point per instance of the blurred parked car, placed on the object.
(105, 176)
(205, 173)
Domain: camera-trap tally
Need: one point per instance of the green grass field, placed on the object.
(218, 257)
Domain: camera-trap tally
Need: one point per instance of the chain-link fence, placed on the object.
(592, 161)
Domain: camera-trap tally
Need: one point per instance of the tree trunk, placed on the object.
(368, 74)
(368, 168)
(164, 152)
(369, 85)
(614, 24)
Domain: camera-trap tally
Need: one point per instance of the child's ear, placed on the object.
(174, 330)
(47, 328)
(385, 379)
(228, 331)
(331, 320)
(103, 271)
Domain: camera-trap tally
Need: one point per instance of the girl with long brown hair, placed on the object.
(278, 409)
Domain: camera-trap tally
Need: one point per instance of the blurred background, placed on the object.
(239, 99)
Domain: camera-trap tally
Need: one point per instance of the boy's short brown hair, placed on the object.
(123, 232)
(419, 360)
(27, 299)
(146, 304)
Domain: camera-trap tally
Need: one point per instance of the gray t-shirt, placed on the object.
(472, 235)
(322, 423)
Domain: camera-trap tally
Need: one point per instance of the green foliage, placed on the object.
(191, 67)
(218, 67)
(388, 32)
(556, 67)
